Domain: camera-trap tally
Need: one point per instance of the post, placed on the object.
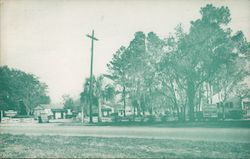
(1, 115)
(82, 114)
(100, 112)
(91, 81)
(91, 76)
(124, 101)
(223, 111)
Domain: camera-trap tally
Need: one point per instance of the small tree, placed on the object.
(118, 68)
(68, 102)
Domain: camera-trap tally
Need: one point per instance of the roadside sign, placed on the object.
(10, 113)
(210, 111)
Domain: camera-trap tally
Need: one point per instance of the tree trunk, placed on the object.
(191, 96)
(184, 113)
(99, 111)
(124, 100)
(178, 114)
(210, 93)
(199, 100)
(223, 111)
(150, 99)
(134, 114)
(207, 91)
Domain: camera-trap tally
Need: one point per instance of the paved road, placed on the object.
(202, 134)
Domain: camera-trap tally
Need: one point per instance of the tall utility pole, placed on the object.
(92, 37)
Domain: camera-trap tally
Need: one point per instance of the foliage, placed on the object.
(19, 87)
(85, 96)
(68, 102)
(173, 73)
(101, 93)
(118, 67)
(109, 92)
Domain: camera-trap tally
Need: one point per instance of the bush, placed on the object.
(236, 114)
(199, 115)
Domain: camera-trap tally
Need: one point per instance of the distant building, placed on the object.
(107, 110)
(119, 109)
(233, 103)
(246, 106)
(42, 110)
(37, 111)
(59, 113)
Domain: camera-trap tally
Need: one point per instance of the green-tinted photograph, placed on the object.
(125, 79)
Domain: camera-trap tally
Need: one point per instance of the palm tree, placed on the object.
(109, 92)
(99, 93)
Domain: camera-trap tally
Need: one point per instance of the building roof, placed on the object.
(41, 106)
(58, 110)
(38, 108)
(106, 107)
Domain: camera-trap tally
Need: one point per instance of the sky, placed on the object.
(48, 38)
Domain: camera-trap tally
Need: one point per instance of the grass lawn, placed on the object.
(21, 146)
